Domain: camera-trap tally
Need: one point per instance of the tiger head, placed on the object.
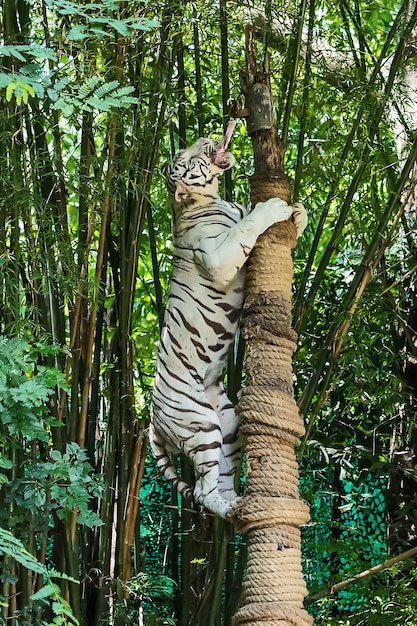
(193, 173)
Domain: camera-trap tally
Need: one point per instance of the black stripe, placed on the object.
(217, 347)
(173, 311)
(203, 447)
(233, 313)
(180, 392)
(218, 328)
(197, 344)
(188, 326)
(203, 357)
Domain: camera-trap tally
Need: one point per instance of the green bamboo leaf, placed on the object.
(143, 24)
(54, 574)
(63, 609)
(18, 51)
(5, 463)
(121, 27)
(64, 105)
(3, 479)
(126, 101)
(4, 81)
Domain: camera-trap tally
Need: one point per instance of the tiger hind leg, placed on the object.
(206, 461)
(165, 464)
(207, 494)
(230, 453)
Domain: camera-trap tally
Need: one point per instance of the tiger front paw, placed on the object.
(233, 509)
(300, 217)
(276, 209)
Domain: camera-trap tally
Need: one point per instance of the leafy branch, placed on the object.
(93, 94)
(10, 546)
(99, 20)
(331, 590)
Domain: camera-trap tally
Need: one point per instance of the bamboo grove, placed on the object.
(95, 97)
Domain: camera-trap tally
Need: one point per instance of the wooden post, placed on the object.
(271, 511)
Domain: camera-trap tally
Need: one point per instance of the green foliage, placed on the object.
(10, 546)
(96, 96)
(93, 94)
(393, 601)
(99, 19)
(25, 392)
(65, 484)
(144, 594)
(32, 490)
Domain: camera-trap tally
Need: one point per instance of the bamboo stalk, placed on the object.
(62, 200)
(136, 470)
(182, 116)
(155, 267)
(350, 295)
(88, 350)
(296, 50)
(233, 600)
(220, 541)
(224, 48)
(304, 302)
(13, 597)
(304, 105)
(197, 78)
(344, 13)
(107, 502)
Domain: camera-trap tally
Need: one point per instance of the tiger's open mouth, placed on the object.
(224, 159)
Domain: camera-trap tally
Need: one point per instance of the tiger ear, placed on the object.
(164, 169)
(181, 192)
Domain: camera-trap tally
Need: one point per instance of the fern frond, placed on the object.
(5, 79)
(12, 352)
(127, 101)
(13, 51)
(94, 103)
(123, 91)
(88, 87)
(105, 88)
(34, 51)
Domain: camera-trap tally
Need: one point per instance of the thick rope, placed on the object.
(271, 511)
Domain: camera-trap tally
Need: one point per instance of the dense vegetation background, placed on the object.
(94, 98)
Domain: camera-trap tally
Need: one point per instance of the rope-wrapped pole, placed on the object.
(271, 511)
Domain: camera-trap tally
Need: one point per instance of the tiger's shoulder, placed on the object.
(209, 221)
(214, 212)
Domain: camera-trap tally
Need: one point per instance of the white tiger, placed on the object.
(191, 412)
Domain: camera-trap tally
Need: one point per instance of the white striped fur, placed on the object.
(191, 412)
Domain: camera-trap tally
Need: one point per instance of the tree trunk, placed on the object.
(271, 511)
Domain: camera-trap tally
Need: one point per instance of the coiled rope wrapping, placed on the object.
(271, 511)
